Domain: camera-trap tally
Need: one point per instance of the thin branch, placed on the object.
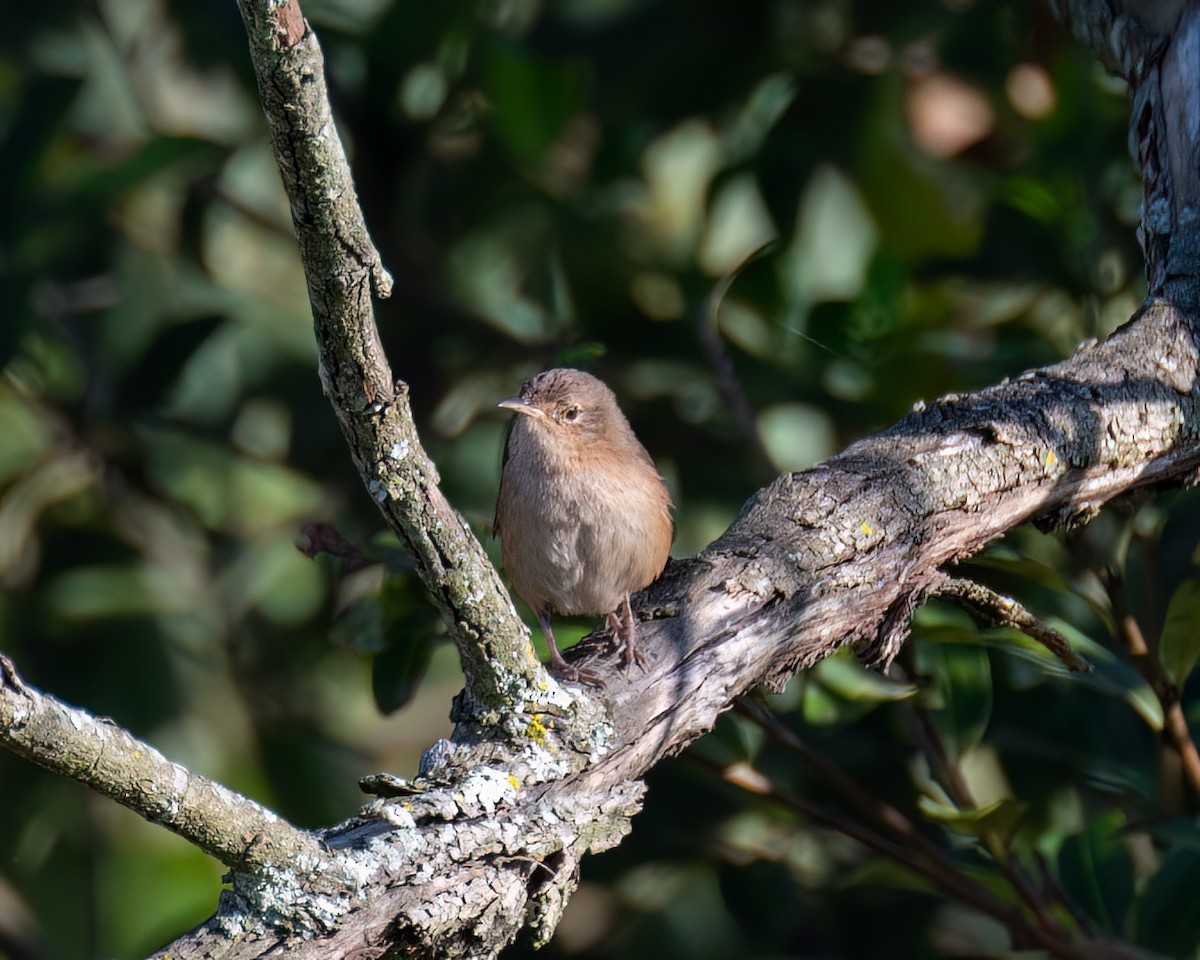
(729, 386)
(946, 772)
(1175, 725)
(1006, 612)
(937, 870)
(101, 755)
(343, 269)
(871, 805)
(895, 820)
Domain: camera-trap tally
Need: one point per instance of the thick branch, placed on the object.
(1155, 45)
(111, 761)
(837, 554)
(1121, 41)
(846, 551)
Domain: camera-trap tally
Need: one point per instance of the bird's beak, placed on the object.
(521, 405)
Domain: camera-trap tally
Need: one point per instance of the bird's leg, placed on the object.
(623, 624)
(558, 666)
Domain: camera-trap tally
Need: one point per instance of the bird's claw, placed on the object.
(624, 632)
(632, 656)
(561, 670)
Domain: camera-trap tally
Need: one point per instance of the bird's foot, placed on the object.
(561, 670)
(631, 655)
(624, 635)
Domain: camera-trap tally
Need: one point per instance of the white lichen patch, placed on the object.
(397, 816)
(539, 765)
(283, 899)
(483, 790)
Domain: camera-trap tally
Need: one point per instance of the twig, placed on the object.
(947, 774)
(728, 384)
(1006, 612)
(1145, 660)
(1174, 721)
(884, 812)
(891, 817)
(938, 870)
(98, 753)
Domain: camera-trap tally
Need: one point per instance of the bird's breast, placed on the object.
(577, 536)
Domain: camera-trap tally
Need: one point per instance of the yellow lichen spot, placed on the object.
(866, 528)
(514, 782)
(1051, 458)
(536, 729)
(137, 754)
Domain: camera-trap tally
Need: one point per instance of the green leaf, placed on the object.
(396, 673)
(531, 99)
(884, 873)
(1111, 675)
(409, 635)
(1002, 818)
(144, 386)
(843, 675)
(1167, 918)
(962, 682)
(839, 690)
(1179, 643)
(1097, 871)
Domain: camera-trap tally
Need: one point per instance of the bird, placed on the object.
(584, 517)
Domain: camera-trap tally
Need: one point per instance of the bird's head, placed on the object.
(569, 404)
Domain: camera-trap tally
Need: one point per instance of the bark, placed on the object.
(113, 762)
(486, 843)
(343, 270)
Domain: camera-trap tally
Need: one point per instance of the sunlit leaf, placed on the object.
(1000, 819)
(844, 675)
(1179, 643)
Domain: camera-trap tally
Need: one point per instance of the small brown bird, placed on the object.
(583, 516)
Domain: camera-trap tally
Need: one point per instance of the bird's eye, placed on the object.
(571, 413)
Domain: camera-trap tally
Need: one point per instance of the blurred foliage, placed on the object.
(773, 227)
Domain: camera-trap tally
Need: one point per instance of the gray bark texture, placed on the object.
(487, 841)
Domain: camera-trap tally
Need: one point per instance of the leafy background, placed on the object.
(772, 226)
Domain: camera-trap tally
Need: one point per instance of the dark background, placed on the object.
(771, 226)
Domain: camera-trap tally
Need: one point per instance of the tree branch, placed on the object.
(1007, 612)
(343, 270)
(101, 755)
(1175, 725)
(488, 840)
(1155, 45)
